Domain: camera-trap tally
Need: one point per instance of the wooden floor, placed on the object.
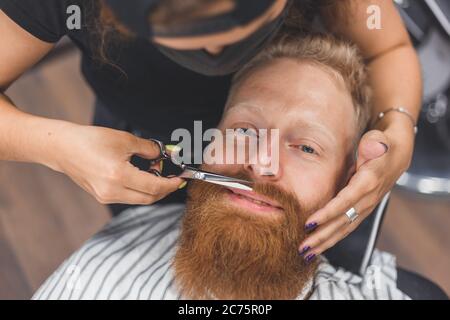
(44, 216)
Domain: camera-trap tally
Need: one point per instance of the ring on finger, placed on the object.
(351, 214)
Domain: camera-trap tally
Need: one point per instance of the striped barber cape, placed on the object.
(131, 258)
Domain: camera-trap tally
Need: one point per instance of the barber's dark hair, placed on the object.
(104, 30)
(173, 12)
(107, 29)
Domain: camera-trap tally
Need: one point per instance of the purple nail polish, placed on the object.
(310, 257)
(310, 226)
(304, 250)
(386, 148)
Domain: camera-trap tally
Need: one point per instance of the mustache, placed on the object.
(294, 211)
(287, 199)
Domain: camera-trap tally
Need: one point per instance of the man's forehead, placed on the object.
(288, 71)
(289, 82)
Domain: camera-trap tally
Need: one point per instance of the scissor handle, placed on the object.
(162, 151)
(155, 172)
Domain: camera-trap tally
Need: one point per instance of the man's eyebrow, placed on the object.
(245, 105)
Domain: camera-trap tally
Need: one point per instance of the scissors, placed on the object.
(192, 173)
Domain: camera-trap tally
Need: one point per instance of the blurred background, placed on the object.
(44, 216)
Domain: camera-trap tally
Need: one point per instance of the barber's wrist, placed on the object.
(47, 140)
(395, 121)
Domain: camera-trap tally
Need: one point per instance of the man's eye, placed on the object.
(246, 131)
(307, 149)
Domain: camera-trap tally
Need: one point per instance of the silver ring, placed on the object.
(352, 214)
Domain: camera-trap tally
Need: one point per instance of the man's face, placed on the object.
(314, 114)
(244, 245)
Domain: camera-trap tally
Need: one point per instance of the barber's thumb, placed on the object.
(373, 145)
(145, 148)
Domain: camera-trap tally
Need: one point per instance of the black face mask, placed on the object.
(231, 58)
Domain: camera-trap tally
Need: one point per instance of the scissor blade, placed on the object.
(193, 173)
(235, 185)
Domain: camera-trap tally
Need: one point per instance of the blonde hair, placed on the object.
(340, 57)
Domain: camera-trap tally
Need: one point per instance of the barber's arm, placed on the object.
(385, 151)
(95, 158)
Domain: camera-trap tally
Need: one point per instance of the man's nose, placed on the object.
(262, 173)
(264, 166)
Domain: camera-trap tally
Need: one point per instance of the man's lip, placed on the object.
(255, 196)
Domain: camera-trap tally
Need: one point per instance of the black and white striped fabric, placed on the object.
(131, 259)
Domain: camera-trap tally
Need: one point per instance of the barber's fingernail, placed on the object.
(173, 148)
(386, 148)
(304, 250)
(310, 257)
(310, 226)
(182, 185)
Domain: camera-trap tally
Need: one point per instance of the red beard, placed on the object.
(225, 252)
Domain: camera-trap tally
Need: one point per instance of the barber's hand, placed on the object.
(98, 160)
(382, 157)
